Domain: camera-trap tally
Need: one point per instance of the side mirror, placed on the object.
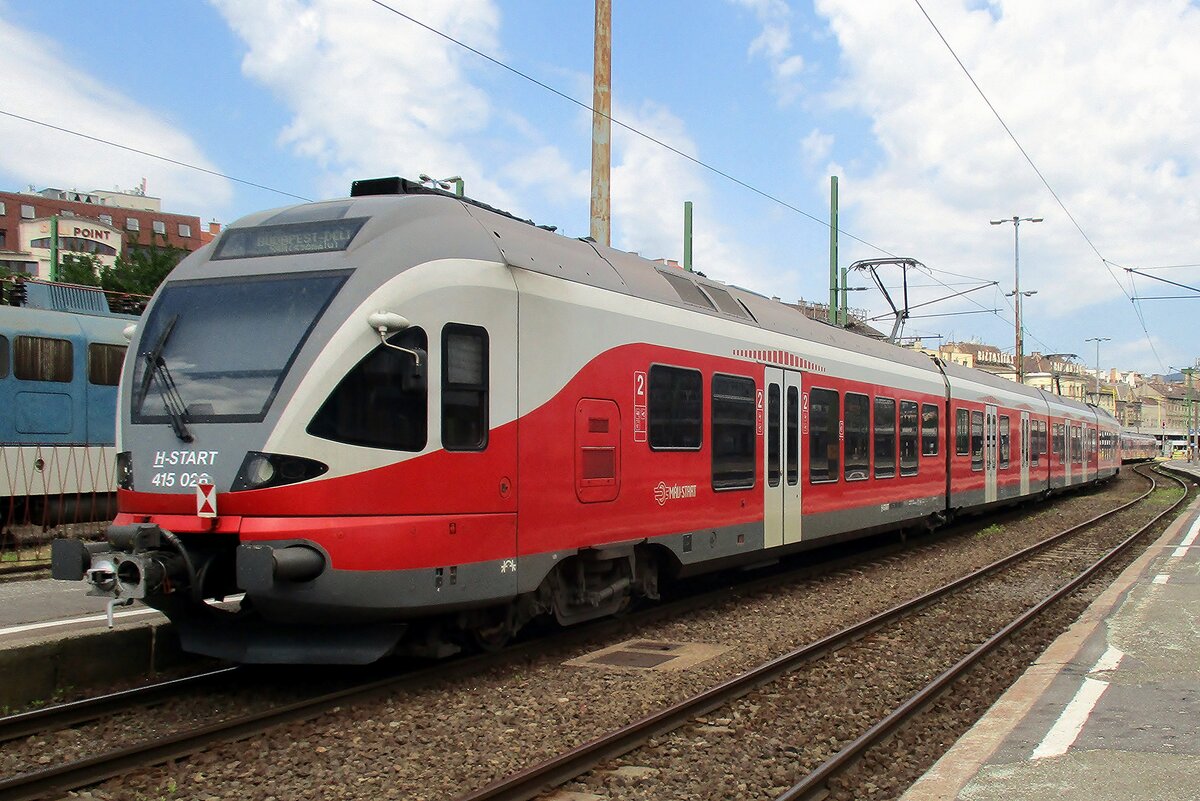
(385, 322)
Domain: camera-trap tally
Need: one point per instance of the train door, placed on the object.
(781, 458)
(991, 427)
(1025, 446)
(1068, 454)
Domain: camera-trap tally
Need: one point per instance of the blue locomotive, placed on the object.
(61, 351)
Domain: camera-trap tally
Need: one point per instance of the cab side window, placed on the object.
(464, 388)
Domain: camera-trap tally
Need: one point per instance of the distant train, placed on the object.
(402, 420)
(61, 352)
(1138, 447)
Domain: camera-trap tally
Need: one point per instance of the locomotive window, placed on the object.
(674, 408)
(773, 434)
(823, 425)
(976, 440)
(929, 429)
(858, 437)
(734, 439)
(464, 388)
(885, 437)
(43, 359)
(687, 291)
(381, 402)
(962, 433)
(3, 356)
(225, 345)
(793, 436)
(1059, 447)
(909, 421)
(1005, 440)
(104, 364)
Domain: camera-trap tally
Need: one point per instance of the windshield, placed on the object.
(227, 343)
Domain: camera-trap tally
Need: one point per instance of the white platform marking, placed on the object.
(1066, 729)
(49, 624)
(1188, 541)
(1161, 578)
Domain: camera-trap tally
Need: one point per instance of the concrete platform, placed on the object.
(1111, 710)
(53, 636)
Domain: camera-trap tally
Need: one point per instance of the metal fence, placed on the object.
(49, 491)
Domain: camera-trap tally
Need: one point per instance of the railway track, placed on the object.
(90, 770)
(651, 732)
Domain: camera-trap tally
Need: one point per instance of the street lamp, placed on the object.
(1098, 340)
(1017, 294)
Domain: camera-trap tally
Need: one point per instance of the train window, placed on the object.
(674, 408)
(1056, 434)
(1076, 445)
(929, 429)
(734, 437)
(464, 388)
(687, 291)
(823, 444)
(43, 359)
(962, 433)
(773, 436)
(858, 437)
(381, 402)
(1005, 441)
(909, 422)
(3, 356)
(104, 364)
(792, 468)
(885, 437)
(1035, 441)
(976, 440)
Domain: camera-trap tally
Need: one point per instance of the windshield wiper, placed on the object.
(156, 370)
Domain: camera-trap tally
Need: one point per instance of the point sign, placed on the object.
(206, 500)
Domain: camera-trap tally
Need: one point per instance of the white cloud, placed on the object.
(1097, 93)
(42, 84)
(774, 43)
(816, 147)
(370, 92)
(649, 187)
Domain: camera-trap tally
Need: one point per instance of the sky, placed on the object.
(936, 116)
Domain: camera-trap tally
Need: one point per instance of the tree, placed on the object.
(79, 268)
(140, 269)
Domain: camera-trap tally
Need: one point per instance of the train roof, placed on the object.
(437, 225)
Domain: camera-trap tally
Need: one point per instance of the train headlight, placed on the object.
(263, 470)
(258, 470)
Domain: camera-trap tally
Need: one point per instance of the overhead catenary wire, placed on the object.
(1107, 265)
(148, 154)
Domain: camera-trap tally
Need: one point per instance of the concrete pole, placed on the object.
(601, 208)
(1020, 353)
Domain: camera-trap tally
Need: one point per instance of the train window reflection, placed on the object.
(976, 440)
(43, 359)
(962, 433)
(464, 388)
(908, 438)
(381, 402)
(929, 429)
(734, 442)
(885, 437)
(858, 437)
(1005, 440)
(674, 408)
(823, 425)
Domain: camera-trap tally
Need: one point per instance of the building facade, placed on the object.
(101, 224)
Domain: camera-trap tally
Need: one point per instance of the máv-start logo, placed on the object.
(674, 492)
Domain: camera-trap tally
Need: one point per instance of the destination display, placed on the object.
(292, 239)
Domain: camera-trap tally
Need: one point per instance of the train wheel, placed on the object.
(494, 631)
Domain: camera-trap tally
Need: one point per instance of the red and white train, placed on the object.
(403, 418)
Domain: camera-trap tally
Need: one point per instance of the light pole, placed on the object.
(1016, 221)
(1098, 340)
